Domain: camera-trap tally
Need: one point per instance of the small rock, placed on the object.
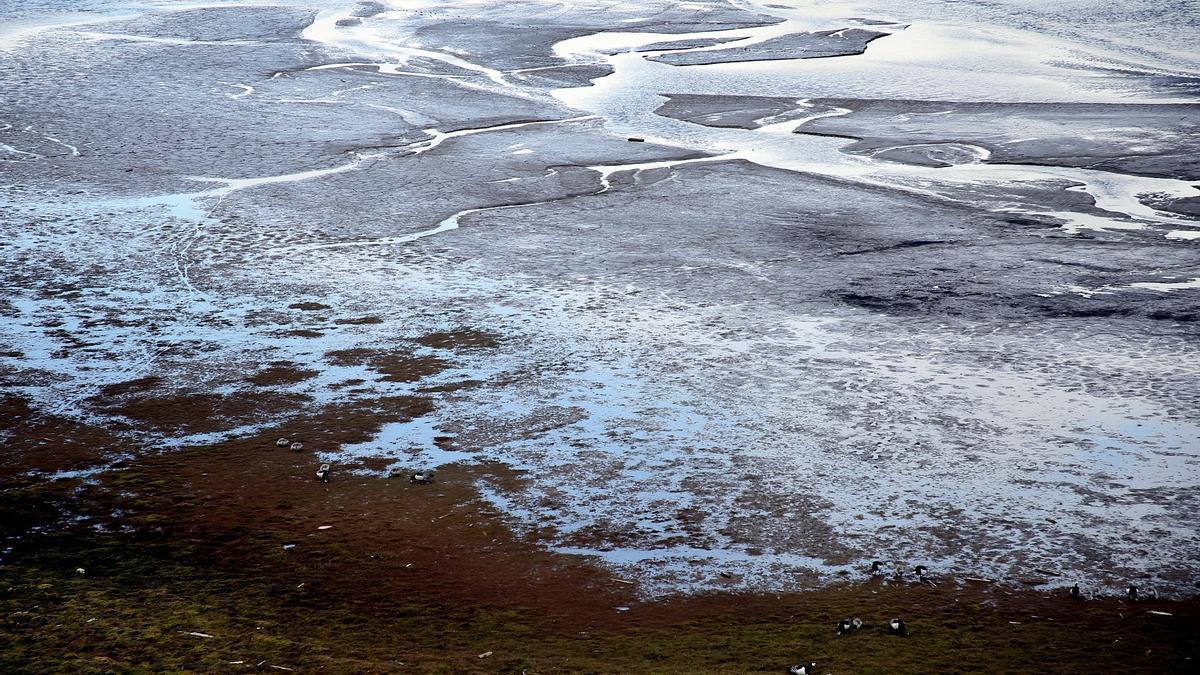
(485, 655)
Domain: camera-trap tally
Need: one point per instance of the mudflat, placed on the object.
(617, 337)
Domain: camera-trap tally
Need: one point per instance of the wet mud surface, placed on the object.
(689, 325)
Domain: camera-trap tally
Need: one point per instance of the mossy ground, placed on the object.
(157, 570)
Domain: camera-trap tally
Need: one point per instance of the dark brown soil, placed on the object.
(195, 412)
(462, 338)
(279, 374)
(308, 306)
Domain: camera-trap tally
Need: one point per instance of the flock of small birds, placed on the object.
(323, 472)
(921, 573)
(1131, 593)
(848, 625)
(851, 624)
(897, 626)
(899, 574)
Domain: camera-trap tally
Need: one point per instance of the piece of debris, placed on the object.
(282, 443)
(726, 575)
(1158, 613)
(288, 547)
(296, 447)
(803, 668)
(625, 581)
(1015, 623)
(323, 475)
(283, 668)
(484, 655)
(636, 139)
(324, 527)
(980, 580)
(197, 634)
(1046, 572)
(80, 570)
(621, 609)
(421, 477)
